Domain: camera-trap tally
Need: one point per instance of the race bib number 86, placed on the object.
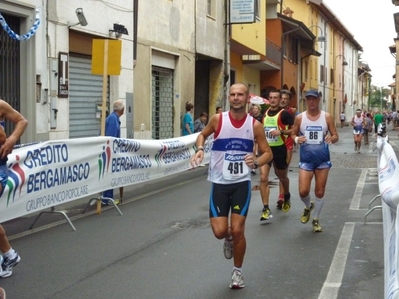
(314, 134)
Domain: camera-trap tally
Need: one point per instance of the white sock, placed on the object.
(9, 254)
(306, 201)
(238, 269)
(318, 205)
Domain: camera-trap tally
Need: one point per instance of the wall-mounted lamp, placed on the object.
(81, 18)
(320, 38)
(344, 63)
(118, 30)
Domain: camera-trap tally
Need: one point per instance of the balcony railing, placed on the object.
(273, 55)
(273, 52)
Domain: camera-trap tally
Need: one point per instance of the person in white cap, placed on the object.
(358, 123)
(314, 131)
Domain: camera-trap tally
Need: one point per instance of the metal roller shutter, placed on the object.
(85, 93)
(162, 103)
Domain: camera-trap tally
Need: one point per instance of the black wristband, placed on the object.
(200, 148)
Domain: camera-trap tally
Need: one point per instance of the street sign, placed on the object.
(114, 50)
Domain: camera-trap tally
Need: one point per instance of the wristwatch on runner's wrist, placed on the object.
(256, 165)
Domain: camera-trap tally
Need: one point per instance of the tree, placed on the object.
(379, 98)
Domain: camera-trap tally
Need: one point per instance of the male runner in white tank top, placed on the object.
(230, 167)
(314, 131)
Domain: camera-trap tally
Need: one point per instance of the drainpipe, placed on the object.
(325, 69)
(135, 22)
(226, 71)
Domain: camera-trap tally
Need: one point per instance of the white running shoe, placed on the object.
(237, 280)
(8, 264)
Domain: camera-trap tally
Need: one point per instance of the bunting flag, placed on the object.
(26, 36)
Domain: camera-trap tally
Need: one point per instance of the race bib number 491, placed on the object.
(234, 166)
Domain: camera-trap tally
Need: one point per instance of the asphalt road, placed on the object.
(162, 246)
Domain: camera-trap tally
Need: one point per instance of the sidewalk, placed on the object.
(20, 226)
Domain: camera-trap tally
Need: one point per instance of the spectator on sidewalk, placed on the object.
(113, 129)
(200, 122)
(367, 128)
(394, 119)
(188, 123)
(10, 257)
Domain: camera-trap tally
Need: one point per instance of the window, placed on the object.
(325, 74)
(211, 7)
(321, 73)
(291, 46)
(306, 70)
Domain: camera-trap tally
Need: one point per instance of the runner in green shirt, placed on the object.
(378, 119)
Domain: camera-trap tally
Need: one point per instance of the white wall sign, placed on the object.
(242, 11)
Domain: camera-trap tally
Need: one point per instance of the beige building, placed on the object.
(335, 72)
(180, 58)
(172, 52)
(49, 74)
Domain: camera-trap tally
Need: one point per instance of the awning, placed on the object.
(296, 28)
(303, 33)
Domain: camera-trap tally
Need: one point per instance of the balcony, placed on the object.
(272, 60)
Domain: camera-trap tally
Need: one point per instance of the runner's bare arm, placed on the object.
(6, 111)
(210, 128)
(333, 136)
(295, 130)
(263, 146)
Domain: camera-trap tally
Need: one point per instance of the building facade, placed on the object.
(55, 88)
(182, 51)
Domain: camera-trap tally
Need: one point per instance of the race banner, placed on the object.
(388, 183)
(55, 172)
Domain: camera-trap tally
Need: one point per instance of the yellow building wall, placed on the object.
(236, 65)
(253, 36)
(251, 77)
(245, 74)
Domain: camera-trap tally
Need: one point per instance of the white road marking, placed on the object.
(358, 191)
(333, 281)
(335, 274)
